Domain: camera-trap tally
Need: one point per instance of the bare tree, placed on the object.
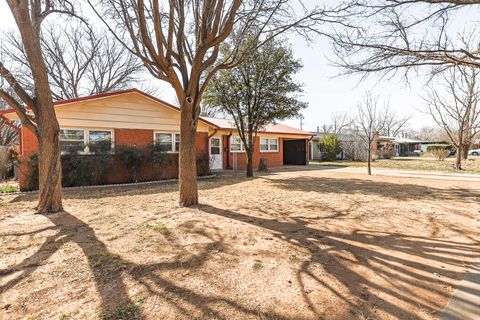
(436, 133)
(370, 122)
(9, 132)
(42, 120)
(179, 42)
(388, 37)
(80, 61)
(392, 123)
(453, 103)
(338, 123)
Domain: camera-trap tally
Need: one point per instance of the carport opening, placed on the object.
(295, 152)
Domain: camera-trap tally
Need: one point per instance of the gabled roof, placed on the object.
(229, 124)
(213, 122)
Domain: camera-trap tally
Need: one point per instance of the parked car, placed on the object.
(453, 151)
(417, 152)
(474, 152)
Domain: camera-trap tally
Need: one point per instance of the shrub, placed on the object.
(433, 147)
(203, 165)
(31, 176)
(387, 155)
(77, 170)
(157, 158)
(439, 154)
(330, 147)
(132, 158)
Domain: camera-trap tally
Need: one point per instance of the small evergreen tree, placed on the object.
(258, 92)
(330, 147)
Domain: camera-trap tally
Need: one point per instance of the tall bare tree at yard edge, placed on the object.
(42, 120)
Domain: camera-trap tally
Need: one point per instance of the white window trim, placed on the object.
(173, 134)
(242, 146)
(268, 139)
(86, 135)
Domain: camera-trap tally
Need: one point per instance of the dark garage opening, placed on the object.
(295, 152)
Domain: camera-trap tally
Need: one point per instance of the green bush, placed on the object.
(157, 158)
(77, 169)
(132, 158)
(203, 165)
(92, 169)
(31, 176)
(329, 147)
(433, 147)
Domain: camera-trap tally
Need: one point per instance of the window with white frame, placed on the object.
(268, 144)
(236, 144)
(85, 140)
(168, 142)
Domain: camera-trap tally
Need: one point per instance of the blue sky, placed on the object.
(324, 91)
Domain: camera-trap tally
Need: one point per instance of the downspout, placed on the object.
(311, 149)
(228, 150)
(213, 133)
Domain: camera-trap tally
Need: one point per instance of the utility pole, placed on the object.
(301, 121)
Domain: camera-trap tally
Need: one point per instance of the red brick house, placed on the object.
(132, 117)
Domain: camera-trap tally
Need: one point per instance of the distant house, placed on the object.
(132, 117)
(316, 150)
(398, 147)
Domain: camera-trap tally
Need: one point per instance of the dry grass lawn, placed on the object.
(472, 165)
(313, 244)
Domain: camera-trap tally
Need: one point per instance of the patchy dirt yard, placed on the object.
(313, 244)
(472, 165)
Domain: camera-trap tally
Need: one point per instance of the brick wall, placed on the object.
(118, 174)
(274, 159)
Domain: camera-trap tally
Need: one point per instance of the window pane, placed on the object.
(99, 135)
(72, 146)
(100, 141)
(177, 142)
(72, 135)
(164, 140)
(236, 144)
(273, 144)
(72, 141)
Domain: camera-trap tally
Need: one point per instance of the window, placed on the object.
(236, 144)
(268, 145)
(169, 142)
(214, 146)
(177, 142)
(99, 141)
(85, 141)
(72, 141)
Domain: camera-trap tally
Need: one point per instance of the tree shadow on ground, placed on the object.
(395, 191)
(403, 262)
(109, 272)
(106, 191)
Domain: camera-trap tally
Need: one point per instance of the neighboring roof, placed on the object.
(229, 124)
(405, 140)
(385, 138)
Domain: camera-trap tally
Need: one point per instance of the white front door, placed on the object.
(216, 153)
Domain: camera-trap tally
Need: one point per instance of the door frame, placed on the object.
(220, 155)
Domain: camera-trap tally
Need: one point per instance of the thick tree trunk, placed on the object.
(465, 151)
(369, 160)
(49, 170)
(187, 159)
(458, 159)
(249, 151)
(250, 163)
